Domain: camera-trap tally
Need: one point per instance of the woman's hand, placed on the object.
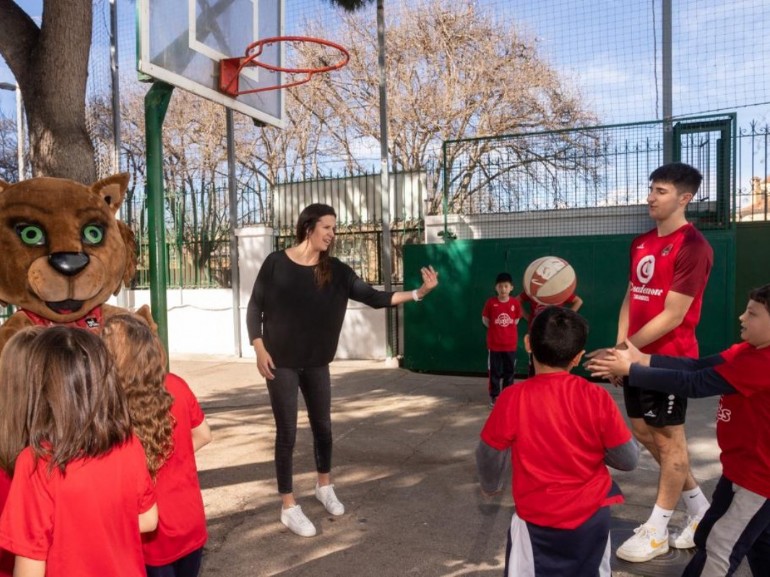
(429, 281)
(264, 360)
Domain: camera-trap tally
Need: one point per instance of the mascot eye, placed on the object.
(30, 234)
(93, 234)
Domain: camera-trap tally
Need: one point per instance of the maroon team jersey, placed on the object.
(502, 334)
(743, 419)
(679, 262)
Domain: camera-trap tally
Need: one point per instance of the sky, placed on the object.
(8, 98)
(603, 48)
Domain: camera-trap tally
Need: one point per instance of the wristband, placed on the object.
(415, 296)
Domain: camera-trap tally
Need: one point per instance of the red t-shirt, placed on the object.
(536, 308)
(743, 419)
(6, 557)
(502, 334)
(558, 427)
(182, 521)
(85, 522)
(679, 262)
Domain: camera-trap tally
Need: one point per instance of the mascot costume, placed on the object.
(63, 253)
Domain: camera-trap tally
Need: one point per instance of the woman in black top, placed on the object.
(294, 320)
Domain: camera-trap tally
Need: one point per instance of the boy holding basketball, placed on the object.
(561, 485)
(501, 314)
(670, 266)
(738, 522)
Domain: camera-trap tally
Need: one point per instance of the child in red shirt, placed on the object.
(562, 431)
(81, 493)
(13, 399)
(501, 314)
(171, 425)
(737, 524)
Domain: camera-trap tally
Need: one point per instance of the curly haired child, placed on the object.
(81, 493)
(171, 425)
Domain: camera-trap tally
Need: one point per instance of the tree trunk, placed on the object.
(50, 65)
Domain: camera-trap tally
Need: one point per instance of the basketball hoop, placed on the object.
(230, 68)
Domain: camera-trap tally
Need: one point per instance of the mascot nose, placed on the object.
(68, 263)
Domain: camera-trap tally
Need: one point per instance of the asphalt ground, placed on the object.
(404, 468)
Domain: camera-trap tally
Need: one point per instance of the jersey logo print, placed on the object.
(723, 414)
(504, 320)
(651, 414)
(645, 269)
(640, 246)
(667, 250)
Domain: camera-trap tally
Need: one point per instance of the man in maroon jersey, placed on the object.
(670, 266)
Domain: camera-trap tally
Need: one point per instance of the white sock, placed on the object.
(695, 502)
(659, 519)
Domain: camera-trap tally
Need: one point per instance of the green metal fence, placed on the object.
(436, 340)
(579, 194)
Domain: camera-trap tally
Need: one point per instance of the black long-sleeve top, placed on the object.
(299, 323)
(693, 378)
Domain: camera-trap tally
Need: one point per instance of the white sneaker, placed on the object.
(326, 495)
(685, 539)
(643, 546)
(295, 520)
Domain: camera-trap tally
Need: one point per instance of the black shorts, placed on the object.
(656, 408)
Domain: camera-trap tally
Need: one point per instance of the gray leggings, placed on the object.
(315, 384)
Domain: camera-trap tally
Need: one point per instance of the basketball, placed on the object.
(550, 280)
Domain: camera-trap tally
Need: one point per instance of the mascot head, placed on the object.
(64, 252)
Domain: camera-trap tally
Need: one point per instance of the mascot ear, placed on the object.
(130, 241)
(112, 189)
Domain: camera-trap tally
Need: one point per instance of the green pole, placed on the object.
(155, 105)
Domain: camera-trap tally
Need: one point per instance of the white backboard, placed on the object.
(182, 41)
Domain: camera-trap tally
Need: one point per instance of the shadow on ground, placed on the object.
(403, 467)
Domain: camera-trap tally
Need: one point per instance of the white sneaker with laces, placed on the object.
(295, 520)
(685, 539)
(329, 500)
(644, 545)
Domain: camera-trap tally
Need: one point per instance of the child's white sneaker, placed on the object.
(295, 520)
(326, 495)
(646, 544)
(685, 539)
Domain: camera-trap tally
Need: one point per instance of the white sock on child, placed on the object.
(659, 520)
(695, 502)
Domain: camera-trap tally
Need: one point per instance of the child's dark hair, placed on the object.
(76, 406)
(761, 295)
(557, 335)
(685, 178)
(306, 223)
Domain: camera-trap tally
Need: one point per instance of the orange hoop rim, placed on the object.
(255, 49)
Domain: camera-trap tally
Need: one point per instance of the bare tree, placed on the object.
(453, 73)
(50, 64)
(9, 164)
